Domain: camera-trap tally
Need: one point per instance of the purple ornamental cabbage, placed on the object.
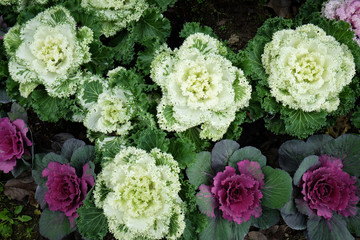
(346, 10)
(325, 200)
(66, 191)
(13, 142)
(239, 195)
(237, 190)
(327, 188)
(63, 183)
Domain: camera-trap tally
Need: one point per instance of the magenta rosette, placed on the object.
(327, 188)
(325, 200)
(237, 190)
(13, 142)
(66, 191)
(239, 195)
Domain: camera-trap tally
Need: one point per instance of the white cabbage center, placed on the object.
(51, 50)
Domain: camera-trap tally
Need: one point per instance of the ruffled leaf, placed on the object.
(92, 223)
(153, 138)
(183, 151)
(151, 26)
(302, 124)
(50, 108)
(194, 27)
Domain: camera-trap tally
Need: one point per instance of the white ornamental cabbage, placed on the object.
(115, 14)
(200, 87)
(141, 198)
(48, 50)
(106, 109)
(307, 69)
(110, 113)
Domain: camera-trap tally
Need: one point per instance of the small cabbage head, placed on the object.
(307, 69)
(48, 50)
(115, 14)
(110, 113)
(138, 192)
(199, 86)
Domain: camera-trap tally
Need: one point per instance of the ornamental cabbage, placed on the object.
(115, 14)
(307, 69)
(48, 50)
(199, 86)
(326, 195)
(106, 109)
(138, 192)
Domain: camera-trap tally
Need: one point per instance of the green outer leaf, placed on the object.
(292, 152)
(92, 90)
(193, 135)
(277, 189)
(305, 165)
(194, 27)
(153, 138)
(163, 4)
(302, 124)
(152, 25)
(81, 156)
(40, 195)
(101, 58)
(268, 218)
(249, 153)
(353, 223)
(41, 161)
(49, 108)
(183, 151)
(332, 229)
(218, 228)
(355, 117)
(54, 225)
(200, 172)
(221, 153)
(92, 223)
(346, 147)
(295, 221)
(70, 146)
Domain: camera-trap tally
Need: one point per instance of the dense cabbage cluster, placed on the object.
(307, 69)
(48, 50)
(142, 200)
(199, 86)
(115, 14)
